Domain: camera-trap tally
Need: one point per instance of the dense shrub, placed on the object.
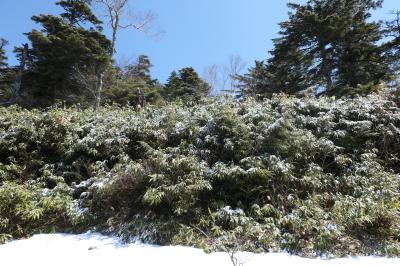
(312, 175)
(29, 208)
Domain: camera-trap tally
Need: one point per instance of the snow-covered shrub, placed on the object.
(311, 175)
(29, 208)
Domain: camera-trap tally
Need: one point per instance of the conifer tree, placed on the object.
(326, 45)
(287, 70)
(186, 84)
(359, 59)
(62, 47)
(140, 71)
(254, 82)
(391, 48)
(130, 80)
(78, 11)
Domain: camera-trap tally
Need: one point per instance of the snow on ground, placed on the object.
(98, 250)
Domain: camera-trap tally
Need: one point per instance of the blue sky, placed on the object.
(198, 33)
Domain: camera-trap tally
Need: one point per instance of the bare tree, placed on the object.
(229, 243)
(3, 58)
(235, 67)
(16, 87)
(121, 16)
(3, 43)
(211, 75)
(233, 248)
(223, 78)
(92, 78)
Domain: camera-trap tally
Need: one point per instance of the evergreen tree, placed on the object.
(186, 84)
(125, 92)
(254, 83)
(287, 70)
(63, 47)
(392, 46)
(325, 44)
(78, 11)
(132, 79)
(173, 80)
(360, 61)
(129, 81)
(140, 71)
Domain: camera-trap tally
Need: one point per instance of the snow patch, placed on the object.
(99, 250)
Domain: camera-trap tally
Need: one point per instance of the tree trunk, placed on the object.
(326, 68)
(114, 27)
(141, 98)
(16, 87)
(98, 93)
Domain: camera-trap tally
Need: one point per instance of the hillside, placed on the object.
(311, 176)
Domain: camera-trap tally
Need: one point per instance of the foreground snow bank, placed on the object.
(98, 250)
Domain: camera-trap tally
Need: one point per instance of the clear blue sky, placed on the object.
(197, 32)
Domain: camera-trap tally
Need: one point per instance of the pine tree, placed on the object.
(186, 84)
(63, 47)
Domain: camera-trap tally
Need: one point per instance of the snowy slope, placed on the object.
(95, 249)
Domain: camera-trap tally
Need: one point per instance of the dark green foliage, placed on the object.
(30, 208)
(311, 176)
(287, 69)
(324, 46)
(78, 11)
(360, 61)
(126, 82)
(228, 137)
(294, 175)
(140, 71)
(125, 92)
(392, 46)
(186, 84)
(254, 83)
(61, 49)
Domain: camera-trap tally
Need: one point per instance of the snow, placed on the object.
(98, 250)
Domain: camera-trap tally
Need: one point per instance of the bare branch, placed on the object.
(211, 75)
(121, 16)
(236, 66)
(92, 79)
(224, 77)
